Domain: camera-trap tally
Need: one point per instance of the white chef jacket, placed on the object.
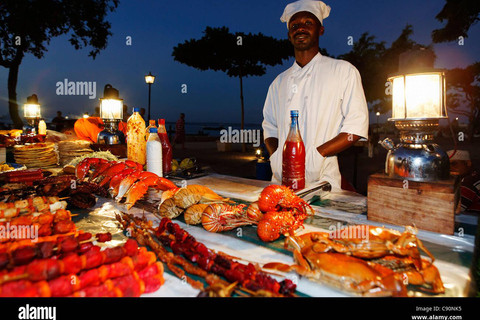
(329, 96)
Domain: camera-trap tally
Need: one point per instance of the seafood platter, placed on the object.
(108, 228)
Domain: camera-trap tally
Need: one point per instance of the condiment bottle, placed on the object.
(151, 124)
(167, 152)
(136, 138)
(154, 153)
(42, 129)
(293, 165)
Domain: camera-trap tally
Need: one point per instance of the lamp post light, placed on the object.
(111, 112)
(378, 116)
(31, 112)
(418, 103)
(149, 79)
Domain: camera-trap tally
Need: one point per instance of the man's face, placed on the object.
(304, 29)
(460, 167)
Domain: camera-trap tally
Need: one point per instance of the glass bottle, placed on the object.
(293, 163)
(136, 138)
(167, 152)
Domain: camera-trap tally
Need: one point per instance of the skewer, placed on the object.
(130, 276)
(37, 269)
(68, 244)
(136, 225)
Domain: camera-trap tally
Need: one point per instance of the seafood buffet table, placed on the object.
(453, 254)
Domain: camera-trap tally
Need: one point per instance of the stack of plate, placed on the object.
(70, 149)
(36, 155)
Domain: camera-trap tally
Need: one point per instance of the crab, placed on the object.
(364, 260)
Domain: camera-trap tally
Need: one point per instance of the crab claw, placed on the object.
(140, 187)
(84, 166)
(104, 177)
(128, 182)
(134, 165)
(115, 181)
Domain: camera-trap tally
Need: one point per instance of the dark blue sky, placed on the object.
(155, 27)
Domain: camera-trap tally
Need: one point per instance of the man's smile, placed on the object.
(301, 35)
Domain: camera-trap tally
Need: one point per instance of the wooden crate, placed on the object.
(427, 205)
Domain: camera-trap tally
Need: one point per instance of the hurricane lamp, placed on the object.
(111, 112)
(418, 105)
(31, 112)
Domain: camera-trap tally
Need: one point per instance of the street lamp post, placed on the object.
(149, 79)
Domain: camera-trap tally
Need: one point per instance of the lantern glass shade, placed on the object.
(149, 78)
(31, 110)
(111, 109)
(418, 96)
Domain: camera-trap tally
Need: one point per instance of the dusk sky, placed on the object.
(155, 27)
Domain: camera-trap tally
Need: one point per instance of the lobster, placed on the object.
(279, 211)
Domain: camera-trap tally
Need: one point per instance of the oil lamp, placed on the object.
(31, 112)
(111, 112)
(418, 104)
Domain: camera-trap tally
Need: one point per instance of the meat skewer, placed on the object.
(139, 230)
(209, 264)
(127, 277)
(51, 268)
(249, 276)
(36, 226)
(25, 254)
(30, 205)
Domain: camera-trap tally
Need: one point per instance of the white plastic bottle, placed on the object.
(154, 153)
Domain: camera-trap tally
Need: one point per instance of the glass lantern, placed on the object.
(31, 112)
(418, 104)
(111, 112)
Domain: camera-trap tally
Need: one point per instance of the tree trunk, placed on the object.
(242, 124)
(12, 95)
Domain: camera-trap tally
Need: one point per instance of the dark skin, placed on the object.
(304, 31)
(461, 167)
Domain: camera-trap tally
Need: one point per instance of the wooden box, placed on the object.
(429, 206)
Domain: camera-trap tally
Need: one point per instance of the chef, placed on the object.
(461, 165)
(328, 93)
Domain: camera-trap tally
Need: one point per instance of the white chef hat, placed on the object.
(459, 155)
(318, 8)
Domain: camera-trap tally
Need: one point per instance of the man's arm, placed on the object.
(271, 144)
(338, 144)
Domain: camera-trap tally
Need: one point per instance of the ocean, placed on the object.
(211, 129)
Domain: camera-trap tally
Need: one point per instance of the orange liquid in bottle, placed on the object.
(293, 157)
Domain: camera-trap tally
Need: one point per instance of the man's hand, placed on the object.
(330, 148)
(338, 144)
(271, 144)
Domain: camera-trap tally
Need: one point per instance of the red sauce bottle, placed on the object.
(293, 165)
(167, 152)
